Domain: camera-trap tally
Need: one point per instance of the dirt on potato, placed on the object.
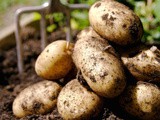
(11, 83)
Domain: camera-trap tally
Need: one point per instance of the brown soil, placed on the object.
(11, 83)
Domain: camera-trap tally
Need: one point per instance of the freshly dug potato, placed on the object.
(100, 66)
(115, 22)
(142, 101)
(144, 66)
(38, 98)
(76, 102)
(88, 32)
(55, 61)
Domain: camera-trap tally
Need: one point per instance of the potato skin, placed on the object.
(115, 22)
(55, 61)
(142, 101)
(100, 66)
(144, 66)
(88, 32)
(38, 98)
(76, 102)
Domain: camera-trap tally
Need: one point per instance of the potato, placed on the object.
(38, 98)
(144, 66)
(88, 32)
(142, 101)
(115, 22)
(100, 66)
(76, 102)
(55, 61)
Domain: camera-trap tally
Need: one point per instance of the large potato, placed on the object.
(89, 32)
(76, 102)
(144, 66)
(100, 66)
(115, 22)
(38, 98)
(142, 100)
(55, 61)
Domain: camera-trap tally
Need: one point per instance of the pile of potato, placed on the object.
(109, 71)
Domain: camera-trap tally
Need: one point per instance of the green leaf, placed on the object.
(51, 28)
(155, 34)
(74, 24)
(58, 17)
(79, 14)
(37, 16)
(156, 9)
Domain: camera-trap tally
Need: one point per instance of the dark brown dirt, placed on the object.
(11, 83)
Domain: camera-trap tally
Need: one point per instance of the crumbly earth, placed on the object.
(11, 83)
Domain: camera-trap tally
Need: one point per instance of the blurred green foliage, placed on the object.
(79, 18)
(56, 21)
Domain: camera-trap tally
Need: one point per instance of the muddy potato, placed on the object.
(115, 22)
(76, 102)
(55, 60)
(38, 98)
(89, 32)
(142, 101)
(100, 66)
(144, 66)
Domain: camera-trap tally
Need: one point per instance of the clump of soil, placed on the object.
(11, 83)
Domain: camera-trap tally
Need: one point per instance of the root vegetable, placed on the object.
(76, 102)
(115, 22)
(38, 98)
(55, 61)
(142, 100)
(144, 66)
(100, 66)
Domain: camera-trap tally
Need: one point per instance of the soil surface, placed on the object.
(11, 83)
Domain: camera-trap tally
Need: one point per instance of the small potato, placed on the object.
(38, 98)
(142, 101)
(55, 61)
(99, 64)
(144, 66)
(115, 22)
(76, 102)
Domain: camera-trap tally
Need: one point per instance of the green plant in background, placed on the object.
(55, 20)
(79, 18)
